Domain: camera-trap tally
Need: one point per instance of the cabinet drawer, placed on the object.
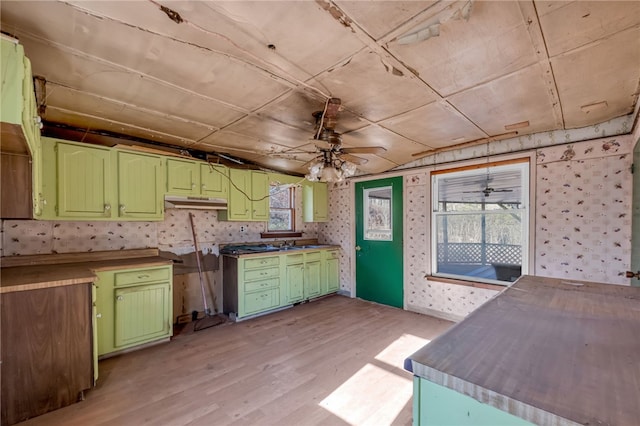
(259, 274)
(261, 301)
(292, 259)
(261, 285)
(261, 262)
(313, 256)
(332, 254)
(141, 276)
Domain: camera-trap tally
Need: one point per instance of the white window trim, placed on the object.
(527, 224)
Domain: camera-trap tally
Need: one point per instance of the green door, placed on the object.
(379, 271)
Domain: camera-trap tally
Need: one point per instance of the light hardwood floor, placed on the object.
(334, 361)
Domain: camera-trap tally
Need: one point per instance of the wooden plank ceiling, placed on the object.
(244, 78)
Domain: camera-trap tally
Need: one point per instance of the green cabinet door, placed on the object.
(140, 186)
(312, 279)
(259, 196)
(142, 313)
(239, 204)
(295, 282)
(84, 185)
(315, 202)
(214, 181)
(333, 271)
(183, 177)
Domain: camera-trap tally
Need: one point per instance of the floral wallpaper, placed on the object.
(583, 217)
(25, 237)
(338, 229)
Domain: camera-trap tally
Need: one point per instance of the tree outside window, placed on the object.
(281, 209)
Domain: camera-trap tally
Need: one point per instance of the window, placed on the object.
(281, 209)
(377, 223)
(480, 223)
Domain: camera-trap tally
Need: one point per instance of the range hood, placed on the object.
(194, 203)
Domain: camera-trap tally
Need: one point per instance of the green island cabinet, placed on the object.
(86, 182)
(248, 197)
(197, 178)
(315, 202)
(258, 284)
(19, 112)
(133, 307)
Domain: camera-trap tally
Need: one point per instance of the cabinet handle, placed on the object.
(263, 273)
(98, 315)
(122, 208)
(107, 207)
(144, 276)
(203, 186)
(119, 298)
(193, 185)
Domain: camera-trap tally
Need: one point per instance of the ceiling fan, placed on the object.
(334, 162)
(487, 190)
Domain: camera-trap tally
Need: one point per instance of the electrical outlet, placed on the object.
(242, 229)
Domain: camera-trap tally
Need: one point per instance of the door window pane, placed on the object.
(378, 221)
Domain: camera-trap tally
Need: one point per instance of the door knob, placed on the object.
(630, 274)
(358, 248)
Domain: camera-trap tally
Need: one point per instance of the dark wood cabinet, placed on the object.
(15, 186)
(46, 349)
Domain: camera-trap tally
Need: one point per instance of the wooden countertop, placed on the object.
(547, 350)
(316, 247)
(32, 277)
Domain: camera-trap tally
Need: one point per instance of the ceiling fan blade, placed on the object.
(352, 158)
(365, 150)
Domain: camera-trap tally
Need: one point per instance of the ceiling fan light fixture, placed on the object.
(330, 174)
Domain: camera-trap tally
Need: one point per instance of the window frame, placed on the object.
(524, 164)
(291, 209)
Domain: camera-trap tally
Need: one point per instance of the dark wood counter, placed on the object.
(547, 350)
(31, 277)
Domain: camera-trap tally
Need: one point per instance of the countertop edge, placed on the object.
(280, 252)
(487, 396)
(45, 276)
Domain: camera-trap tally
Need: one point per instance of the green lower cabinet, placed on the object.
(436, 405)
(295, 282)
(332, 269)
(312, 276)
(134, 307)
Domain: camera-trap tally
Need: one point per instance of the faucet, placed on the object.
(288, 244)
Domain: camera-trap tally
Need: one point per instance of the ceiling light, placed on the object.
(330, 169)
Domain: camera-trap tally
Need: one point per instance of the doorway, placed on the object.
(379, 231)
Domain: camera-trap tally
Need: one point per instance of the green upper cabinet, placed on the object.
(140, 186)
(315, 202)
(183, 177)
(214, 180)
(77, 181)
(248, 196)
(259, 196)
(19, 113)
(239, 205)
(196, 178)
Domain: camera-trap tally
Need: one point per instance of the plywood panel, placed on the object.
(384, 16)
(434, 125)
(606, 71)
(493, 42)
(399, 149)
(71, 118)
(270, 131)
(86, 103)
(519, 97)
(588, 21)
(370, 85)
(293, 28)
